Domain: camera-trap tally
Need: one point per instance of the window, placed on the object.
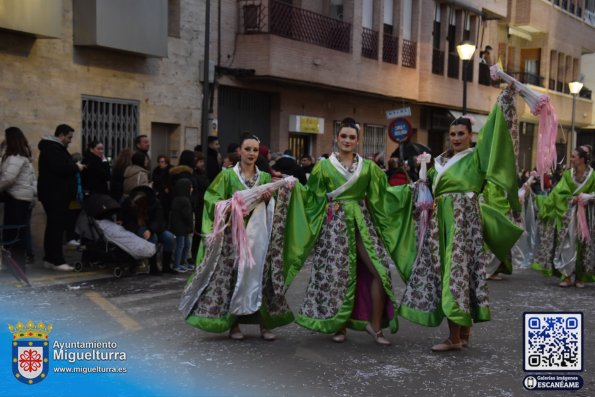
(374, 140)
(337, 9)
(300, 145)
(114, 122)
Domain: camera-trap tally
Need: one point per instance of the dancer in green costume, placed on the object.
(559, 251)
(221, 293)
(346, 225)
(448, 278)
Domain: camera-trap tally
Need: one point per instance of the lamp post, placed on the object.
(465, 51)
(575, 87)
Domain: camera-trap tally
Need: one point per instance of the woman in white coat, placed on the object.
(19, 187)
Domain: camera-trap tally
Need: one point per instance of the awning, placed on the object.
(480, 119)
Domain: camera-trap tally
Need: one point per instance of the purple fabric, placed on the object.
(362, 308)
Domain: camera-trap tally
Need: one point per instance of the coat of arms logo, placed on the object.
(30, 351)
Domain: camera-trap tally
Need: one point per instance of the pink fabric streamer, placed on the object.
(238, 232)
(546, 144)
(583, 228)
(219, 223)
(548, 121)
(242, 203)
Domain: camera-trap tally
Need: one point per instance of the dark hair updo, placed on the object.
(246, 135)
(584, 154)
(463, 121)
(348, 122)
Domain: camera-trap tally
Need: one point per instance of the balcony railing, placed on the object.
(390, 49)
(409, 53)
(438, 62)
(369, 43)
(528, 78)
(310, 27)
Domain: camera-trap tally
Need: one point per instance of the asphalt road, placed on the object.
(165, 357)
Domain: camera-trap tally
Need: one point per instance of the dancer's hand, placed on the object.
(266, 196)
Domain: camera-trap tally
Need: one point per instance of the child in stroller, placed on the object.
(105, 241)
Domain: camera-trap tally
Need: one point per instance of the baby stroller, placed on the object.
(105, 242)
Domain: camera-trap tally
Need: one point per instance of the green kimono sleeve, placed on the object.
(305, 216)
(552, 207)
(218, 190)
(495, 197)
(392, 212)
(496, 156)
(499, 233)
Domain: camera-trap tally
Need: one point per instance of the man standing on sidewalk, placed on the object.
(56, 188)
(142, 144)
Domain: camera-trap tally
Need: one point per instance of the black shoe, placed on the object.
(166, 263)
(153, 269)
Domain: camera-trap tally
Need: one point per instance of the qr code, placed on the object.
(553, 342)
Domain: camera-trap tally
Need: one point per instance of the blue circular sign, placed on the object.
(400, 130)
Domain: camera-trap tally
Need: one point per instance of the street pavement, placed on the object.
(168, 358)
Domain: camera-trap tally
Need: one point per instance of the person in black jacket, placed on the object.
(184, 169)
(56, 187)
(202, 183)
(287, 165)
(213, 158)
(161, 184)
(180, 221)
(97, 175)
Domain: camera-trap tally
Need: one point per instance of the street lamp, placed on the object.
(575, 87)
(465, 51)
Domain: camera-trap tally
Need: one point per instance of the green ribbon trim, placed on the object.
(540, 268)
(222, 324)
(326, 326)
(218, 325)
(428, 319)
(271, 322)
(481, 314)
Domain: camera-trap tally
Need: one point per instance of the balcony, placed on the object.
(278, 42)
(409, 54)
(284, 20)
(369, 43)
(296, 24)
(536, 17)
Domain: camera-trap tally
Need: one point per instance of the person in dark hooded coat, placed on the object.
(181, 222)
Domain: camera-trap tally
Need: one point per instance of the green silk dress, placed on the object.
(321, 232)
(448, 277)
(559, 252)
(211, 310)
